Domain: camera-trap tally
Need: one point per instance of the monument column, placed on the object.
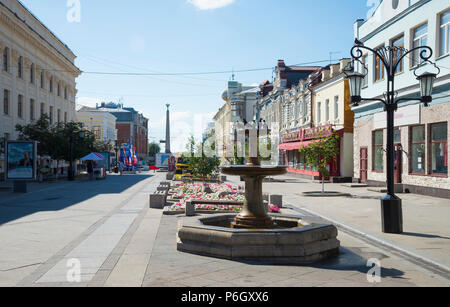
(168, 131)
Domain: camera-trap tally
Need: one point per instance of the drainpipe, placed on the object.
(311, 84)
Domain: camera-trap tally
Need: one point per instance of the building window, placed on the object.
(418, 149)
(439, 153)
(6, 59)
(65, 92)
(6, 102)
(51, 84)
(31, 109)
(59, 89)
(419, 39)
(50, 115)
(319, 113)
(59, 116)
(20, 106)
(327, 110)
(379, 68)
(397, 136)
(42, 112)
(65, 117)
(399, 44)
(42, 79)
(378, 151)
(20, 68)
(336, 107)
(32, 73)
(445, 33)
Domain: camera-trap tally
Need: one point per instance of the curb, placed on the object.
(432, 265)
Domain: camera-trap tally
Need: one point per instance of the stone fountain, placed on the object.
(254, 234)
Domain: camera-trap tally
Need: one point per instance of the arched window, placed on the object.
(20, 67)
(6, 59)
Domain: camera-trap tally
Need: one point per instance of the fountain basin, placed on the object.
(294, 241)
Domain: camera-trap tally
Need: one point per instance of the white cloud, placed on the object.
(210, 4)
(87, 102)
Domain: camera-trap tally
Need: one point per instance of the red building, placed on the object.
(132, 127)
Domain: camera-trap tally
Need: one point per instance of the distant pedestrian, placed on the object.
(121, 168)
(90, 170)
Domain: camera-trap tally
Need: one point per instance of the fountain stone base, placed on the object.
(293, 240)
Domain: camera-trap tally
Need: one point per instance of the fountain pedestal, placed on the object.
(253, 215)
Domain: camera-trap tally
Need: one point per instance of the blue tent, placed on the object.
(93, 157)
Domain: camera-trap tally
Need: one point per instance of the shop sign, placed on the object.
(318, 132)
(292, 137)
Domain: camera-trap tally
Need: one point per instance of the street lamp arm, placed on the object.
(425, 55)
(357, 53)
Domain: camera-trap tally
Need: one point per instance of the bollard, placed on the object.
(190, 209)
(276, 200)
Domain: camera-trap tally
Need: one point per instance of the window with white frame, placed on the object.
(327, 110)
(445, 33)
(319, 115)
(336, 107)
(420, 37)
(365, 69)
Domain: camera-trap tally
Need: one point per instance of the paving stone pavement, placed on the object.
(120, 241)
(170, 268)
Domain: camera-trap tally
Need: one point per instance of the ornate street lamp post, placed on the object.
(391, 57)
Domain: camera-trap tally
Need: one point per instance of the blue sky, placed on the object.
(171, 36)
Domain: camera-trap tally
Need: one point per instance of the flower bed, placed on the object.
(183, 193)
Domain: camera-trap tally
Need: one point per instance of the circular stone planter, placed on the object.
(295, 241)
(326, 194)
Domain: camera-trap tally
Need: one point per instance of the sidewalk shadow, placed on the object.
(66, 196)
(424, 235)
(349, 259)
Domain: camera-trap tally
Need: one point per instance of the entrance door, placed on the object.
(398, 164)
(363, 164)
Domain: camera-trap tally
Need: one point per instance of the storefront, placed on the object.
(296, 162)
(421, 149)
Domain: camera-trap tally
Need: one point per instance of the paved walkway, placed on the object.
(426, 219)
(108, 227)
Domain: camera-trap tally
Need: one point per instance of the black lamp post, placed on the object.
(71, 176)
(391, 57)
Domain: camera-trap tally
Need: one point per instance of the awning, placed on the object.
(93, 157)
(295, 146)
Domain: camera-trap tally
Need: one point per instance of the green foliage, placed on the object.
(54, 141)
(153, 149)
(201, 165)
(319, 154)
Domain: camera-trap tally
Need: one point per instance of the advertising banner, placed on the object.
(162, 160)
(21, 160)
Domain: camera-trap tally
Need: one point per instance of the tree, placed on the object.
(201, 165)
(54, 141)
(153, 149)
(319, 154)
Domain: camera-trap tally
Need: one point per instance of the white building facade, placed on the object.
(37, 73)
(421, 135)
